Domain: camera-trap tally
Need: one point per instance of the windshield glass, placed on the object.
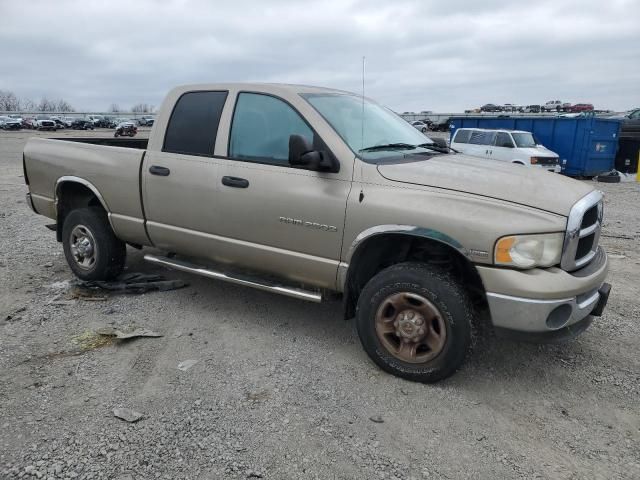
(524, 139)
(380, 126)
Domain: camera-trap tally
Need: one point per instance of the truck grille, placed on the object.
(583, 232)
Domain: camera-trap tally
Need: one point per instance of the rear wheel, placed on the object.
(91, 248)
(414, 321)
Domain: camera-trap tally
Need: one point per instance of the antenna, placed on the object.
(362, 118)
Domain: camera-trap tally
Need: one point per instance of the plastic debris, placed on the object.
(187, 364)
(127, 414)
(128, 333)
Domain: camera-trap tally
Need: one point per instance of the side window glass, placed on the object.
(193, 125)
(481, 137)
(261, 128)
(503, 140)
(462, 136)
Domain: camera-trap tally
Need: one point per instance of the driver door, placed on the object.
(284, 220)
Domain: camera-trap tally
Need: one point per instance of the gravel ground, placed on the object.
(282, 389)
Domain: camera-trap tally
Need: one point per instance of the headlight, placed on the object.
(528, 251)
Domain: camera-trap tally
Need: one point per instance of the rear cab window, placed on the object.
(193, 126)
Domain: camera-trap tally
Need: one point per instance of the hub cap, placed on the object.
(410, 327)
(83, 247)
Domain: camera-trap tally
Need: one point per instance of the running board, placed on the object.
(205, 272)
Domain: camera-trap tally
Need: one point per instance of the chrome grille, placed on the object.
(583, 232)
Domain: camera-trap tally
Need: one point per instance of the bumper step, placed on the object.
(260, 284)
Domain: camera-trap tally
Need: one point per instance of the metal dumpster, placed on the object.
(586, 145)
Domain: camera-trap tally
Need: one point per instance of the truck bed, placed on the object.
(110, 165)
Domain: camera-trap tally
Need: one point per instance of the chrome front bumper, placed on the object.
(541, 316)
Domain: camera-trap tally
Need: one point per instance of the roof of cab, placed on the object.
(493, 129)
(273, 88)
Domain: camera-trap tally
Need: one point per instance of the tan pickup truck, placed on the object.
(316, 193)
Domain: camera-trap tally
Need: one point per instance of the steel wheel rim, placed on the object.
(83, 247)
(410, 327)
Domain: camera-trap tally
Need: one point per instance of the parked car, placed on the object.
(532, 109)
(59, 123)
(420, 243)
(441, 125)
(552, 106)
(630, 123)
(509, 107)
(581, 107)
(68, 121)
(566, 107)
(29, 122)
(126, 129)
(145, 121)
(490, 107)
(46, 124)
(8, 123)
(421, 125)
(82, 124)
(513, 146)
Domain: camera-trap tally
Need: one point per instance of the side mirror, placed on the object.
(301, 153)
(440, 142)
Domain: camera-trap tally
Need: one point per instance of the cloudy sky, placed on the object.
(444, 55)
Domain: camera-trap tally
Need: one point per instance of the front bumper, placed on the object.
(545, 300)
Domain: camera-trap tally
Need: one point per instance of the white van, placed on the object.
(515, 146)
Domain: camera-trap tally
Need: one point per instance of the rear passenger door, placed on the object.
(179, 183)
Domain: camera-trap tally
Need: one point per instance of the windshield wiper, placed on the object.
(389, 146)
(438, 148)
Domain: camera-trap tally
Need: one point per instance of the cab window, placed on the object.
(261, 128)
(482, 137)
(503, 140)
(462, 136)
(193, 125)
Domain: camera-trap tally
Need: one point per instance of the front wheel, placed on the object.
(414, 321)
(91, 248)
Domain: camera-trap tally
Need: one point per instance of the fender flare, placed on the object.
(87, 184)
(412, 230)
(81, 181)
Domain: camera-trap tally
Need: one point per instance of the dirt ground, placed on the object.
(281, 389)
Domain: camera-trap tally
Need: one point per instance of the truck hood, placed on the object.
(491, 178)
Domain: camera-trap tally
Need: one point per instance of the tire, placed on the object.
(450, 330)
(106, 258)
(424, 129)
(608, 178)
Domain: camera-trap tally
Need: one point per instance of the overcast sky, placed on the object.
(444, 55)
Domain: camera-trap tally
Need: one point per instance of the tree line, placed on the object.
(10, 102)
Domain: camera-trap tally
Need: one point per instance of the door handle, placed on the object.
(235, 182)
(157, 170)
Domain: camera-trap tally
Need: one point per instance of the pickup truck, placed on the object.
(320, 194)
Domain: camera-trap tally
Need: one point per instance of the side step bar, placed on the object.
(205, 272)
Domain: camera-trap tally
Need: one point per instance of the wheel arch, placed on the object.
(74, 192)
(382, 246)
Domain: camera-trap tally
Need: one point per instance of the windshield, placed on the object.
(380, 126)
(524, 139)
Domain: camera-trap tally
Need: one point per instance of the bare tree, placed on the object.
(46, 105)
(64, 106)
(114, 108)
(28, 105)
(8, 101)
(142, 108)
